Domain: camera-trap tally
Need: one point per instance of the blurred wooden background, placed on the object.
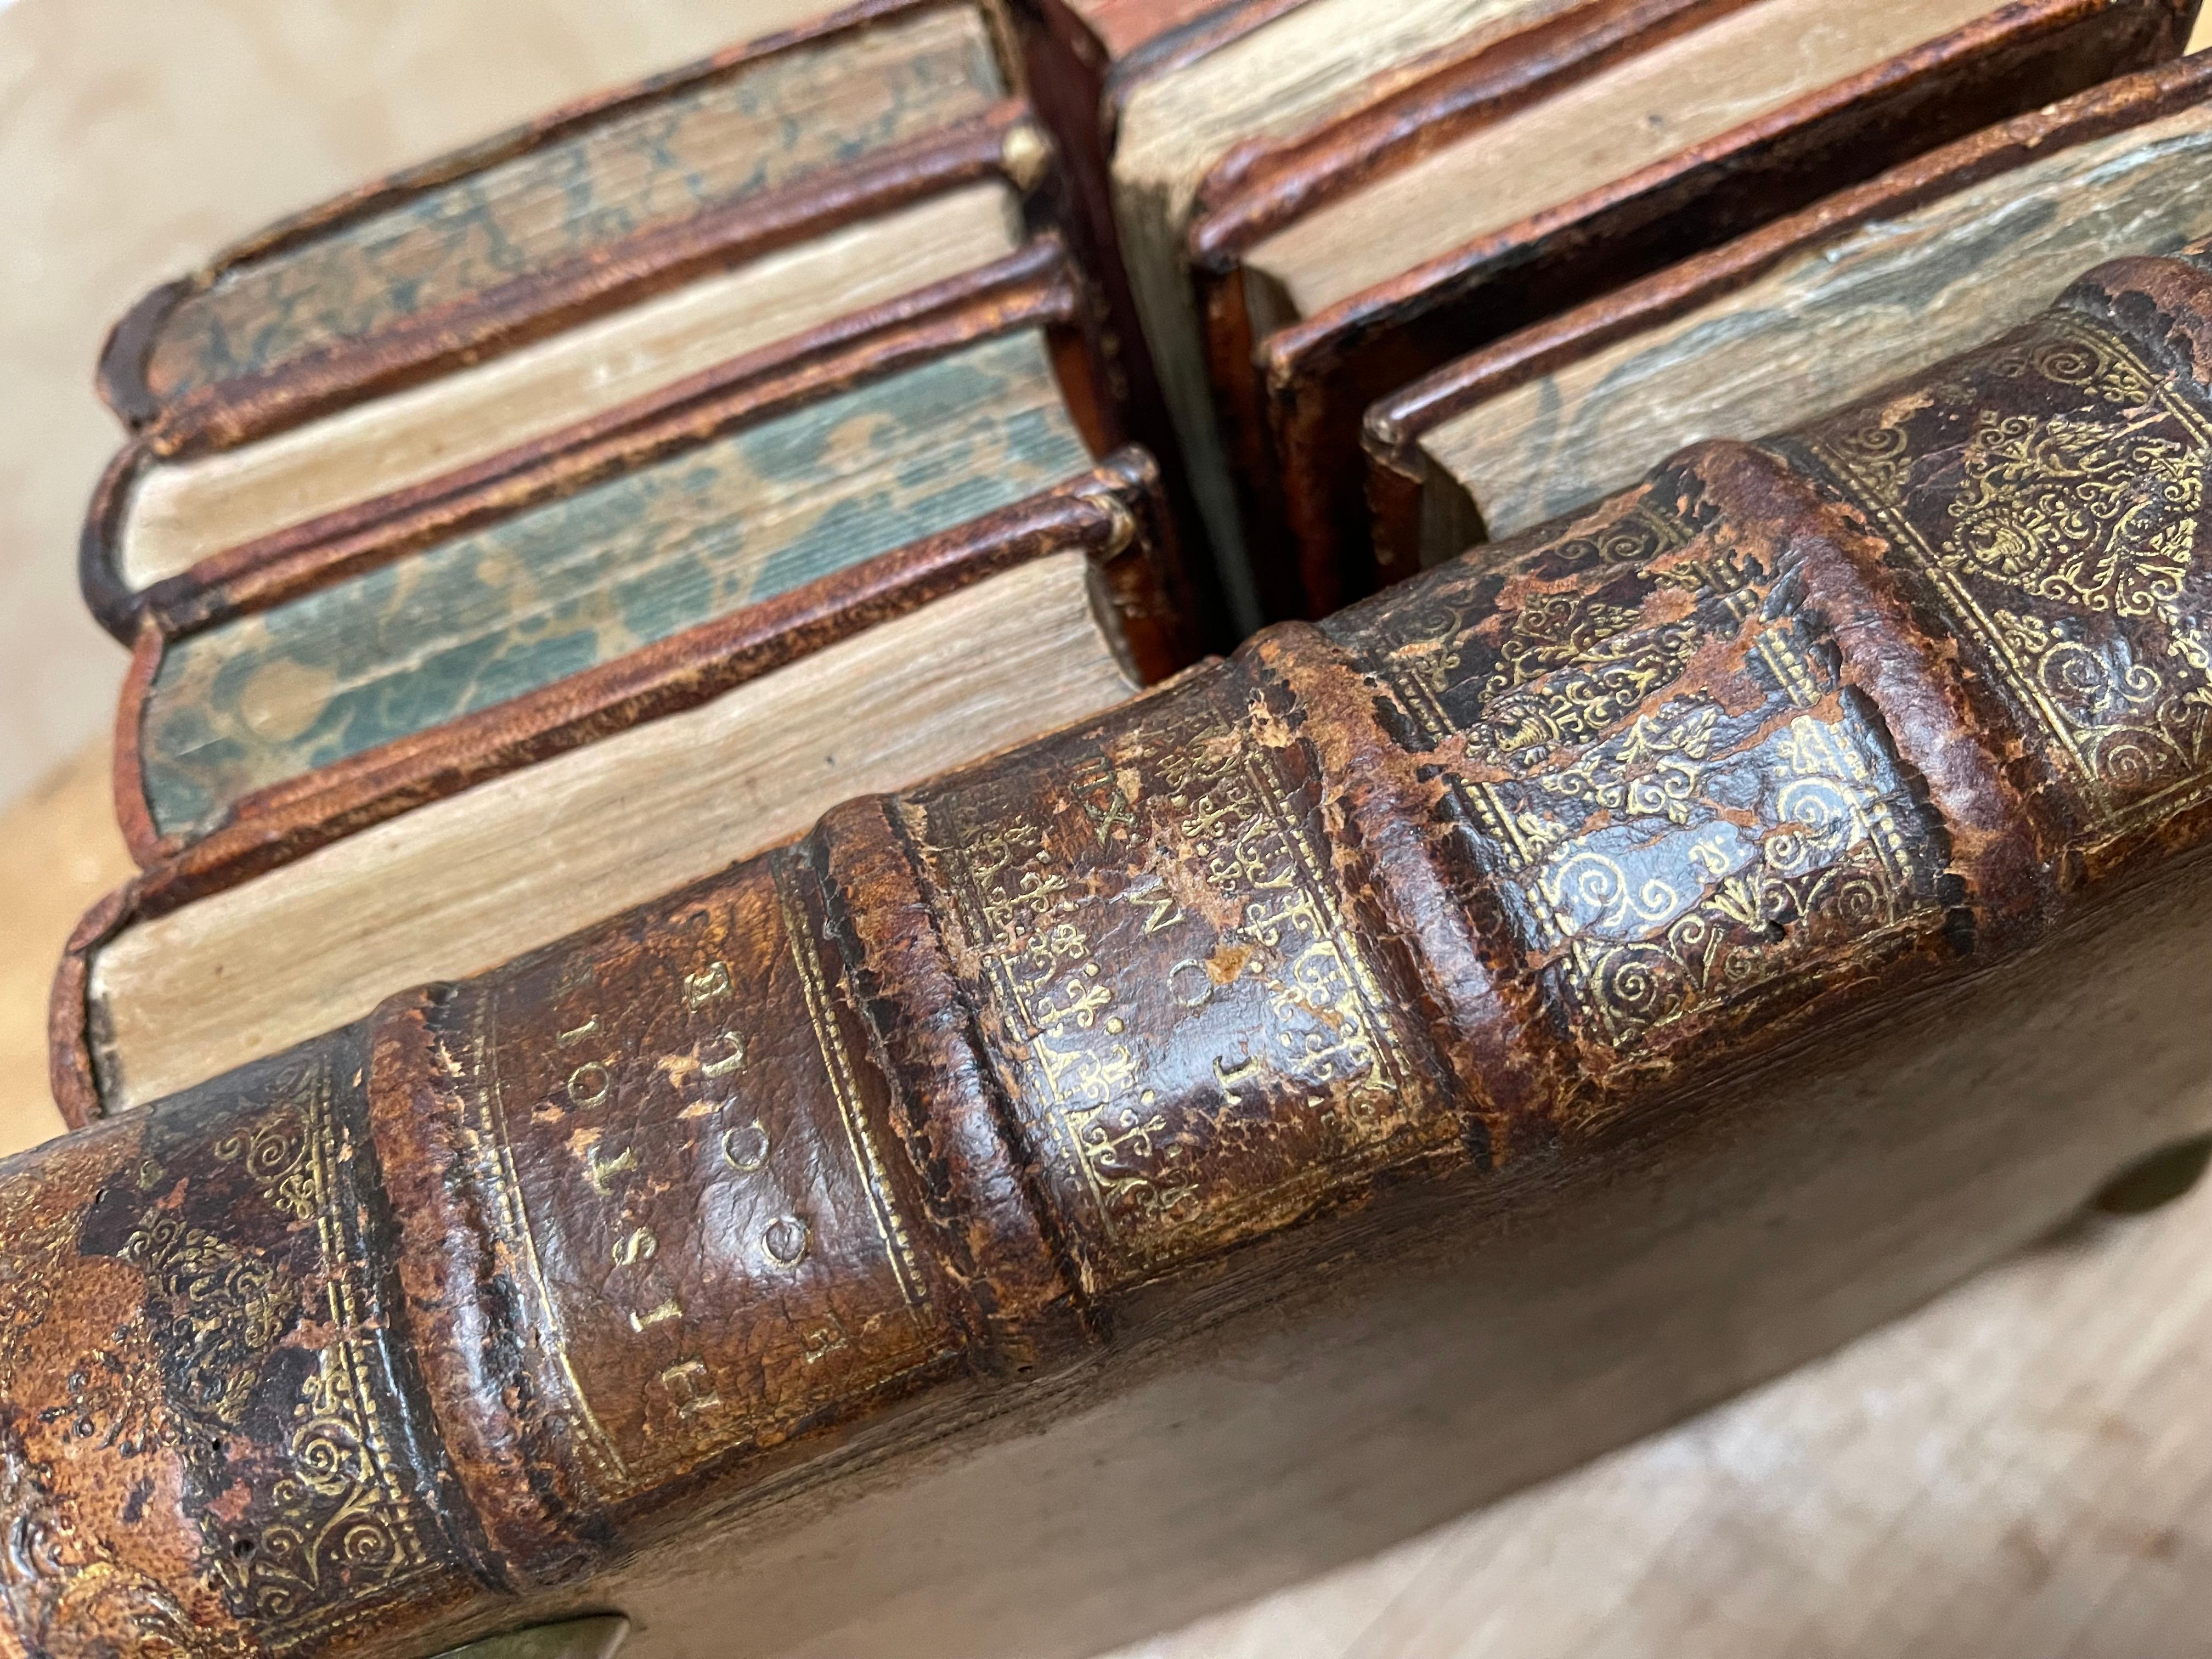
(2023, 1469)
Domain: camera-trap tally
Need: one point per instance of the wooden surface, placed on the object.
(59, 850)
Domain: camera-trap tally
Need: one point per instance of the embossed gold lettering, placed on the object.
(604, 1169)
(660, 1315)
(589, 1086)
(636, 1246)
(1189, 984)
(1161, 910)
(785, 1240)
(704, 987)
(589, 1028)
(729, 1062)
(689, 1385)
(1228, 1077)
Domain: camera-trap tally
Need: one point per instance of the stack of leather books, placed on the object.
(737, 1034)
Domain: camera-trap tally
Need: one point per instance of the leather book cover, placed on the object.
(1406, 491)
(294, 792)
(1291, 394)
(1352, 1079)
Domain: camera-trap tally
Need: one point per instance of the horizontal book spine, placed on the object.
(1034, 290)
(1403, 483)
(406, 1335)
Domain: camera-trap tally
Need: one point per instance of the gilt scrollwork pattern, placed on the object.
(221, 1308)
(2057, 524)
(252, 1381)
(1176, 993)
(339, 1524)
(1674, 794)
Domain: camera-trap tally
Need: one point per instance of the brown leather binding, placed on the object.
(1592, 976)
(1116, 514)
(1082, 62)
(1397, 475)
(1312, 378)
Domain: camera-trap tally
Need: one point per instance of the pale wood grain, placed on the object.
(136, 139)
(1652, 105)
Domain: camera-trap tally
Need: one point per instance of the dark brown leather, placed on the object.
(826, 1159)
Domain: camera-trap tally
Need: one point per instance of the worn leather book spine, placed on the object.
(1412, 504)
(1037, 289)
(1807, 776)
(1040, 285)
(1301, 387)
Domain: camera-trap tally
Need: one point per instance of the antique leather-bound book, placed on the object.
(274, 930)
(428, 322)
(330, 676)
(1805, 313)
(1354, 1078)
(1584, 152)
(1144, 113)
(474, 728)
